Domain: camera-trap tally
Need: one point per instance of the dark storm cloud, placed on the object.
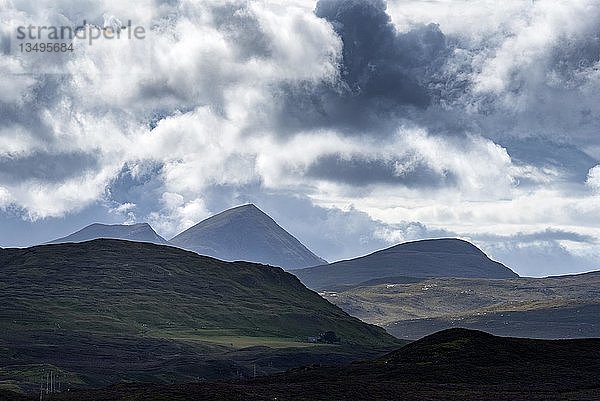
(139, 184)
(379, 62)
(570, 56)
(360, 171)
(45, 167)
(242, 32)
(573, 163)
(28, 113)
(242, 28)
(383, 73)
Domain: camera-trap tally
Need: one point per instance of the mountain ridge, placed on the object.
(142, 232)
(106, 310)
(123, 263)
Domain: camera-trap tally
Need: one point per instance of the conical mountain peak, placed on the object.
(247, 207)
(246, 233)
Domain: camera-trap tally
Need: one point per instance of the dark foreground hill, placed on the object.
(104, 311)
(455, 364)
(141, 232)
(246, 233)
(428, 258)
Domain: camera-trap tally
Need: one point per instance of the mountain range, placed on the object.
(411, 289)
(141, 232)
(246, 233)
(446, 257)
(242, 233)
(127, 308)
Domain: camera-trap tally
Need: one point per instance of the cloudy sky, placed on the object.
(355, 124)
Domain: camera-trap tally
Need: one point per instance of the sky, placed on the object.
(356, 125)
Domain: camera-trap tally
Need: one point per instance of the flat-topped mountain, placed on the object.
(447, 257)
(141, 232)
(247, 233)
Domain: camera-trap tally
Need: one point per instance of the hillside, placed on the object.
(141, 232)
(553, 307)
(454, 364)
(246, 233)
(428, 258)
(157, 313)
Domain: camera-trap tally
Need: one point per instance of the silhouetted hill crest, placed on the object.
(446, 257)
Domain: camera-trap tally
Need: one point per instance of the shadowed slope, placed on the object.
(132, 287)
(105, 311)
(455, 364)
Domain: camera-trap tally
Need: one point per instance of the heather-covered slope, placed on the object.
(102, 311)
(454, 364)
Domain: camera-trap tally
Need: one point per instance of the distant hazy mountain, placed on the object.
(246, 233)
(429, 258)
(142, 232)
